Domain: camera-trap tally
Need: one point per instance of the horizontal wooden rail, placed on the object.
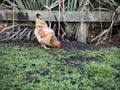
(67, 16)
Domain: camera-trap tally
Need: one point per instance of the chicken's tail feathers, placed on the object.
(38, 15)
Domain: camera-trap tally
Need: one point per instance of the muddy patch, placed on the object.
(83, 58)
(77, 60)
(116, 66)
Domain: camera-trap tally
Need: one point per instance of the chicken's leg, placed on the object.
(44, 46)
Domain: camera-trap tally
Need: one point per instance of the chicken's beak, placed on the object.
(58, 45)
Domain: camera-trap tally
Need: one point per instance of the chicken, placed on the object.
(44, 34)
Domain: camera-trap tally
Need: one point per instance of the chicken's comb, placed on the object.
(38, 15)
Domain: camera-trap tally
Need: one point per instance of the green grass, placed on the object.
(30, 67)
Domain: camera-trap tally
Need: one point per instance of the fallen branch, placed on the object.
(107, 31)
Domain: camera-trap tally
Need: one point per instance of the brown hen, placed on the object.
(44, 34)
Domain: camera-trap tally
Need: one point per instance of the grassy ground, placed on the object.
(30, 67)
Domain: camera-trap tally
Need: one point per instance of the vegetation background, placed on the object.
(65, 29)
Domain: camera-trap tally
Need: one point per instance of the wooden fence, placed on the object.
(82, 17)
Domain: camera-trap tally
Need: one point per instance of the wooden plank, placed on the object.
(68, 16)
(83, 29)
(101, 16)
(82, 32)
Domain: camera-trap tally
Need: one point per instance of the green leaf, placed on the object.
(20, 4)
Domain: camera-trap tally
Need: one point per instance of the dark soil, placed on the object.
(83, 58)
(82, 46)
(116, 66)
(70, 45)
(77, 60)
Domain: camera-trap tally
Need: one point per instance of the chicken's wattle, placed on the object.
(58, 45)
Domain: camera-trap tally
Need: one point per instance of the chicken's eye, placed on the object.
(51, 40)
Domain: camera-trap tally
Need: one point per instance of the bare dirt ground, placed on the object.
(82, 46)
(73, 45)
